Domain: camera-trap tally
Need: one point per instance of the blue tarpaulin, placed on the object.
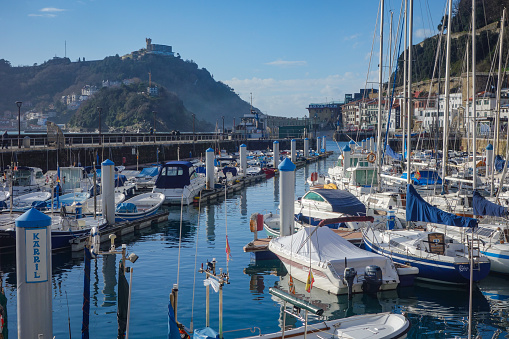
(390, 152)
(499, 163)
(484, 207)
(126, 207)
(148, 172)
(173, 329)
(342, 201)
(419, 210)
(205, 333)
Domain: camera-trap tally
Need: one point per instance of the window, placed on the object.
(313, 196)
(172, 171)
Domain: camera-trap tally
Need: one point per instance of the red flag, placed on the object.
(228, 251)
(310, 281)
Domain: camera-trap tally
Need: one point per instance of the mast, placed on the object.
(474, 181)
(497, 115)
(410, 108)
(445, 148)
(380, 89)
(403, 107)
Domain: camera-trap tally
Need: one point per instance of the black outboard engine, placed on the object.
(372, 279)
(348, 277)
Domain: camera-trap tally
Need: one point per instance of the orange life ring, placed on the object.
(371, 157)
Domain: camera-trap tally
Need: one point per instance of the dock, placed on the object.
(120, 229)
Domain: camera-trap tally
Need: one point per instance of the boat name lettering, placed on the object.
(463, 268)
(36, 250)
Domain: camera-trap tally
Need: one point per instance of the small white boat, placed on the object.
(331, 258)
(88, 205)
(26, 201)
(68, 200)
(139, 206)
(381, 325)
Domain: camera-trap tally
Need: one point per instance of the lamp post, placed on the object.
(223, 127)
(19, 103)
(99, 109)
(194, 135)
(154, 129)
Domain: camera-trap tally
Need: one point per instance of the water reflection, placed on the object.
(243, 202)
(210, 223)
(110, 280)
(276, 188)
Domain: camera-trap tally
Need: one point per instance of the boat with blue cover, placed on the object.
(179, 182)
(439, 258)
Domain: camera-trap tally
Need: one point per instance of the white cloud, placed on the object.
(291, 97)
(286, 63)
(47, 12)
(423, 33)
(351, 37)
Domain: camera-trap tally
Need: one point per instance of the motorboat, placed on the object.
(331, 259)
(139, 206)
(146, 178)
(179, 182)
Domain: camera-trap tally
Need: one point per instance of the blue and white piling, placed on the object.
(243, 159)
(33, 274)
(275, 150)
(293, 145)
(346, 157)
(306, 147)
(489, 159)
(108, 190)
(352, 145)
(318, 144)
(324, 143)
(287, 189)
(209, 169)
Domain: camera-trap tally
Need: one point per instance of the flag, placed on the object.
(417, 175)
(291, 285)
(173, 329)
(310, 281)
(228, 251)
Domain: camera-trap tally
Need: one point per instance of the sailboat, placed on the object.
(439, 258)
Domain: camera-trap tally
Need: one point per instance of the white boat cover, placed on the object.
(324, 247)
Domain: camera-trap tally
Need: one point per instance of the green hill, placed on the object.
(185, 87)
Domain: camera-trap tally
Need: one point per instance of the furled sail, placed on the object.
(485, 207)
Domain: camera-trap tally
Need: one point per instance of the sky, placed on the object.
(283, 54)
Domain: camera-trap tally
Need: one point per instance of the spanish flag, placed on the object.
(291, 286)
(417, 175)
(310, 281)
(228, 251)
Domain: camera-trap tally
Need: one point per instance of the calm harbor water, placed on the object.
(434, 310)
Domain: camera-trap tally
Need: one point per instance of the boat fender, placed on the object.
(371, 157)
(253, 222)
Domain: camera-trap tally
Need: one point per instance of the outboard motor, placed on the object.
(3, 205)
(348, 277)
(372, 279)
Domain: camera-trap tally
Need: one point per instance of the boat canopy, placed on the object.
(425, 177)
(390, 152)
(485, 207)
(322, 245)
(499, 163)
(340, 200)
(174, 174)
(126, 207)
(419, 210)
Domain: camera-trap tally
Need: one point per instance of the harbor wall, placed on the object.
(130, 156)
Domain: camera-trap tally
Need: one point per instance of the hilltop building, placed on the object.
(158, 49)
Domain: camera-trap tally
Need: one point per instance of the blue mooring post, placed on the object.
(33, 273)
(86, 296)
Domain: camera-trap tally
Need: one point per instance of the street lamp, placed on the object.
(223, 127)
(99, 109)
(19, 103)
(154, 129)
(194, 135)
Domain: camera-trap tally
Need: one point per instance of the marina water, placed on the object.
(434, 310)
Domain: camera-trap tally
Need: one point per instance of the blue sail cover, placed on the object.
(485, 207)
(419, 210)
(499, 163)
(148, 172)
(342, 201)
(427, 178)
(390, 152)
